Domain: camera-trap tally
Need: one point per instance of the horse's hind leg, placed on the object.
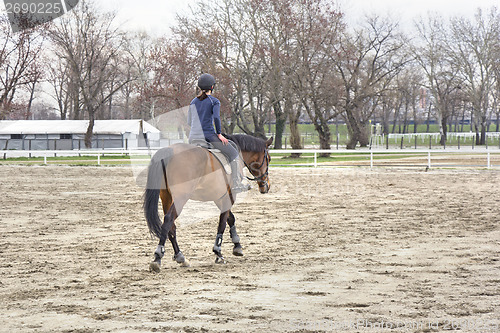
(237, 249)
(166, 200)
(178, 256)
(168, 222)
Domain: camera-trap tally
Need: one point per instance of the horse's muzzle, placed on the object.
(264, 188)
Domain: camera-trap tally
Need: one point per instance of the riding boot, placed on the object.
(237, 185)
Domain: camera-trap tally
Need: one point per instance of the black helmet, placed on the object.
(206, 82)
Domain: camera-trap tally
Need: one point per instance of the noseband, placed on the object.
(261, 177)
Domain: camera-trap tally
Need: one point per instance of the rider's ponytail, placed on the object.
(202, 95)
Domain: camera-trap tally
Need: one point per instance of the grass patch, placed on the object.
(109, 160)
(348, 157)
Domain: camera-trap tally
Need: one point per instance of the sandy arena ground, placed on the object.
(338, 250)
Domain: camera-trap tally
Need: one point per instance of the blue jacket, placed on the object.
(202, 117)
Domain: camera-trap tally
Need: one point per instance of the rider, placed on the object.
(204, 113)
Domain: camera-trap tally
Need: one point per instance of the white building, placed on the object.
(70, 134)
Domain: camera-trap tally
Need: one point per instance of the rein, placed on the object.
(261, 177)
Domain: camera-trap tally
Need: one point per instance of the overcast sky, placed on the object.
(156, 16)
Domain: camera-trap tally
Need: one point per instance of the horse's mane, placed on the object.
(248, 142)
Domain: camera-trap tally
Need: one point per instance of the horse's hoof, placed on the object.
(220, 260)
(185, 263)
(154, 267)
(179, 258)
(238, 251)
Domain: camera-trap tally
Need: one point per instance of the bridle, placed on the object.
(262, 176)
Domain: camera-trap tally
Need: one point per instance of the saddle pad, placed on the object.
(222, 159)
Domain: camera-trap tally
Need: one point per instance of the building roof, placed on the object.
(75, 127)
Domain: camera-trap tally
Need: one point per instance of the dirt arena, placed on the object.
(337, 250)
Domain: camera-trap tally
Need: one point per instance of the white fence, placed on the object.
(483, 157)
(484, 154)
(413, 139)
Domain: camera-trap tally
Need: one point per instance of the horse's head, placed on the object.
(258, 165)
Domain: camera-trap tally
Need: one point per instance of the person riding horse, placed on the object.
(203, 115)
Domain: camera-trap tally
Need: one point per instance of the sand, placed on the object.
(328, 249)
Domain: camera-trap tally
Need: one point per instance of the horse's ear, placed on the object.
(269, 141)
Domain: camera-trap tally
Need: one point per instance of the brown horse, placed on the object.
(182, 172)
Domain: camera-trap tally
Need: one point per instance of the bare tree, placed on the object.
(89, 43)
(173, 74)
(367, 61)
(317, 29)
(58, 78)
(496, 93)
(19, 67)
(277, 23)
(441, 73)
(139, 48)
(473, 48)
(231, 49)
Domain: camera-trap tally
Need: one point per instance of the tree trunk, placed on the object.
(90, 130)
(30, 102)
(280, 125)
(280, 129)
(295, 133)
(484, 126)
(443, 130)
(353, 129)
(463, 119)
(63, 114)
(110, 107)
(385, 120)
(364, 135)
(324, 137)
(476, 129)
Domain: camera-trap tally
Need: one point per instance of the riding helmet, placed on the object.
(206, 82)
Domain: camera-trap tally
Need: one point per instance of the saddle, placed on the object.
(223, 160)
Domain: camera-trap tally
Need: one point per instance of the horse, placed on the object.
(183, 172)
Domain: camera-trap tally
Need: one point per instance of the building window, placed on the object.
(66, 136)
(16, 136)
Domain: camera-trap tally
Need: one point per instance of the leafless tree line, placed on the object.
(279, 61)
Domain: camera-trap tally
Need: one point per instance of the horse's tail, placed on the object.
(156, 181)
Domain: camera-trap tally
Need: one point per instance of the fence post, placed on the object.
(45, 159)
(489, 161)
(98, 159)
(459, 142)
(430, 141)
(315, 159)
(371, 159)
(429, 159)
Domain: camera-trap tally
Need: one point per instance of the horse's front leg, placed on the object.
(237, 249)
(218, 240)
